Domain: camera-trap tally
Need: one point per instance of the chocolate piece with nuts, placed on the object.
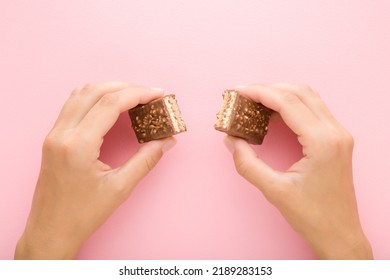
(158, 119)
(242, 117)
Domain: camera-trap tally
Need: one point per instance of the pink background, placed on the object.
(194, 205)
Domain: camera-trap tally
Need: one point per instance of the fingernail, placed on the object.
(229, 144)
(156, 89)
(168, 144)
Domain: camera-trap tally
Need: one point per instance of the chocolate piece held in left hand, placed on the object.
(242, 117)
(158, 119)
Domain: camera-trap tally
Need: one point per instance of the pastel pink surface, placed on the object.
(194, 205)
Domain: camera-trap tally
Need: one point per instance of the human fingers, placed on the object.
(310, 98)
(106, 111)
(81, 101)
(140, 164)
(255, 170)
(293, 111)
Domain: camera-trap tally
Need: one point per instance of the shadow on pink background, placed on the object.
(194, 205)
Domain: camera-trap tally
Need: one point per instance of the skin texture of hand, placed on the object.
(316, 194)
(76, 192)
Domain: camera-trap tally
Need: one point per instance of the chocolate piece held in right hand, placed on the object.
(242, 117)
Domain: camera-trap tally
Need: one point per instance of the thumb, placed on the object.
(142, 162)
(252, 168)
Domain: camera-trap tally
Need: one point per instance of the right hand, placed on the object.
(316, 194)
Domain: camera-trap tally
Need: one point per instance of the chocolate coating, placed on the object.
(244, 118)
(158, 119)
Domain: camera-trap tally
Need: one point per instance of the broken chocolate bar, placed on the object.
(158, 119)
(242, 117)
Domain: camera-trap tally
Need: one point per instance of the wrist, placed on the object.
(351, 248)
(38, 247)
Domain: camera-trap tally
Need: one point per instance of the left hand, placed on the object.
(76, 192)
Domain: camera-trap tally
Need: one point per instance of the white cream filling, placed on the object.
(174, 114)
(229, 99)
